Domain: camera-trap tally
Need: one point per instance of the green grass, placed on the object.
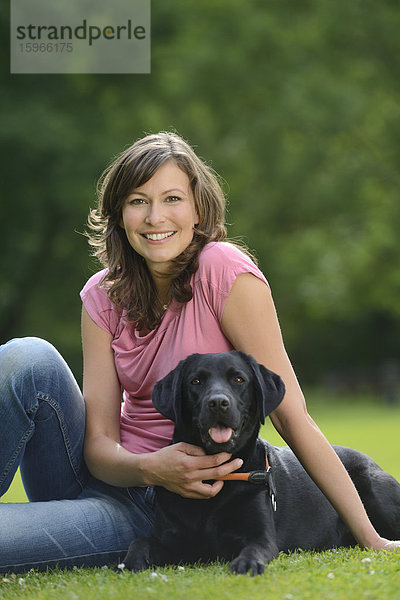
(16, 492)
(349, 574)
(339, 575)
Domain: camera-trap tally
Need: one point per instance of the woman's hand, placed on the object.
(384, 544)
(182, 468)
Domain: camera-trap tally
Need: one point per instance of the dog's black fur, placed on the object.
(239, 524)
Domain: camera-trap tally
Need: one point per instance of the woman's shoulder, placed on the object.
(221, 262)
(97, 303)
(221, 250)
(223, 254)
(94, 293)
(94, 284)
(219, 265)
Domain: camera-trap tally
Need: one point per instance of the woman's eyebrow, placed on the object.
(175, 189)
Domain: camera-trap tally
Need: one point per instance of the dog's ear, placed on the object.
(269, 387)
(167, 394)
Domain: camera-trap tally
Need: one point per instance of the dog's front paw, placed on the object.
(253, 558)
(241, 565)
(138, 556)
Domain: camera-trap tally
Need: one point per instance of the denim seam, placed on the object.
(54, 406)
(61, 561)
(150, 505)
(17, 451)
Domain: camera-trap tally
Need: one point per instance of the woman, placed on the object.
(171, 286)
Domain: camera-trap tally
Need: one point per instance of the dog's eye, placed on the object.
(195, 381)
(238, 379)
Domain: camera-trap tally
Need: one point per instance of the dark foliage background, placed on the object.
(295, 103)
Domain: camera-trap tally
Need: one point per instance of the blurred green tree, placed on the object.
(295, 104)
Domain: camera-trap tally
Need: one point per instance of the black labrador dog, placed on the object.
(218, 402)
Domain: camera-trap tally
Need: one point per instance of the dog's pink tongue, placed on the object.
(220, 434)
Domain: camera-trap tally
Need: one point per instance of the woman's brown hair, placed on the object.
(128, 280)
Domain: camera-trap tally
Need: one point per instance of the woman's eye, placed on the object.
(136, 201)
(173, 199)
(195, 381)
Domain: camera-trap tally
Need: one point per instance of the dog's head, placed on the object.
(218, 401)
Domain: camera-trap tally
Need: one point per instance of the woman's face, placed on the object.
(158, 217)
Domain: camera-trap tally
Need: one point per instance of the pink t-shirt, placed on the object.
(185, 328)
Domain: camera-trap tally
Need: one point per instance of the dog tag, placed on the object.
(272, 490)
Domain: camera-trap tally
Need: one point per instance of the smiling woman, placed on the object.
(159, 199)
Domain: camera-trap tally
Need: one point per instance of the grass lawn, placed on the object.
(342, 574)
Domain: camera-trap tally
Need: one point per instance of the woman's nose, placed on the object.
(155, 214)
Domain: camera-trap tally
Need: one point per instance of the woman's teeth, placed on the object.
(158, 236)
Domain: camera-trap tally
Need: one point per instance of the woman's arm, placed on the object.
(250, 322)
(180, 468)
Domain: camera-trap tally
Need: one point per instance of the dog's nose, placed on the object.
(219, 403)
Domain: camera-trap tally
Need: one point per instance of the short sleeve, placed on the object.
(220, 265)
(98, 305)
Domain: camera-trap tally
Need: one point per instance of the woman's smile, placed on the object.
(158, 237)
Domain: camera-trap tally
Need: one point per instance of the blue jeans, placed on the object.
(72, 519)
